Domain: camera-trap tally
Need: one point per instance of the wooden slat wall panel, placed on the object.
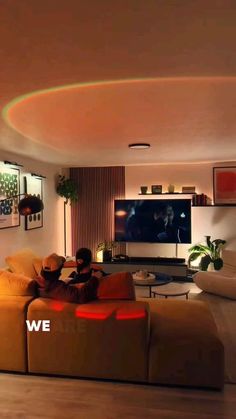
(93, 215)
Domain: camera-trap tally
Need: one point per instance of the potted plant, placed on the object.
(106, 247)
(209, 252)
(67, 189)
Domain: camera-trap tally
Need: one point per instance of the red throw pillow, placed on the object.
(117, 286)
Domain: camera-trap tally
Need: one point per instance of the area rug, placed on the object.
(224, 313)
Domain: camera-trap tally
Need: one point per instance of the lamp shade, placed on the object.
(30, 205)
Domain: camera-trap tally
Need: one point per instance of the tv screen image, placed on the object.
(153, 220)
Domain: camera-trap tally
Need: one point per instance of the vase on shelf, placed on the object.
(171, 188)
(143, 189)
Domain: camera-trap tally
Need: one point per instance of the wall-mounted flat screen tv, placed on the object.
(153, 220)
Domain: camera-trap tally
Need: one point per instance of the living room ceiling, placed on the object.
(80, 80)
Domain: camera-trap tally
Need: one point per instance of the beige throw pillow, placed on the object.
(22, 263)
(38, 264)
(15, 284)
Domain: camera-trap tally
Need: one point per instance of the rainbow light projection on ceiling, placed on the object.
(6, 110)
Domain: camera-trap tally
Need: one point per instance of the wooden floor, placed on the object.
(31, 397)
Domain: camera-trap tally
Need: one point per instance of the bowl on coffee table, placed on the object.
(151, 280)
(144, 276)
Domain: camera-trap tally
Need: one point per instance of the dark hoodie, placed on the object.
(51, 287)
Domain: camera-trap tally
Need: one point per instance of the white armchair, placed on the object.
(222, 282)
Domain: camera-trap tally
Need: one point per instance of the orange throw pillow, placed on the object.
(117, 286)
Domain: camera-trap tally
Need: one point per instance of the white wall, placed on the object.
(43, 240)
(218, 222)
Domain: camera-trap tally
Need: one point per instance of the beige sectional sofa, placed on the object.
(149, 341)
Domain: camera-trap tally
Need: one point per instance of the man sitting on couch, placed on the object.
(51, 287)
(84, 269)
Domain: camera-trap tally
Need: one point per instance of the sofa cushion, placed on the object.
(13, 344)
(185, 348)
(22, 262)
(216, 283)
(38, 264)
(117, 286)
(101, 339)
(229, 267)
(12, 284)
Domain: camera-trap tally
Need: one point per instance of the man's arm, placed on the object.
(59, 290)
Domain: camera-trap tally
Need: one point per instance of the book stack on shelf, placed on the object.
(201, 200)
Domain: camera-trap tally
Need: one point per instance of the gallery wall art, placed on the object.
(34, 186)
(9, 188)
(224, 185)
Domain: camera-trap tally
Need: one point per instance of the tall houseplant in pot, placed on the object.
(67, 189)
(210, 253)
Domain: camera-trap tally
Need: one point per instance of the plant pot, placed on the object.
(107, 255)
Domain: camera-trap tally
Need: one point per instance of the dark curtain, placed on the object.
(93, 213)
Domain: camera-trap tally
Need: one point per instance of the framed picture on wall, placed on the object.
(224, 185)
(9, 187)
(34, 186)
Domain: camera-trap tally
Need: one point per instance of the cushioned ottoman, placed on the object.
(185, 348)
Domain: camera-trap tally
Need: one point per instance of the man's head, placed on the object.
(52, 266)
(83, 258)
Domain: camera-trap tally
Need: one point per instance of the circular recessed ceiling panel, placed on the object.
(184, 120)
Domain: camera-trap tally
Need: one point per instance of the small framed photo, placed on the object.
(224, 185)
(156, 189)
(34, 186)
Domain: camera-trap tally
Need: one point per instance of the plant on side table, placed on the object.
(106, 247)
(209, 253)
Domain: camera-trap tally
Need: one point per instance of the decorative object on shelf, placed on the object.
(209, 253)
(201, 200)
(9, 197)
(224, 185)
(33, 186)
(188, 189)
(106, 248)
(67, 189)
(171, 188)
(156, 189)
(143, 189)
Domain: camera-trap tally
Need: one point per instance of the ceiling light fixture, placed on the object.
(139, 146)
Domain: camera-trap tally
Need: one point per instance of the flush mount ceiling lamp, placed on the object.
(139, 146)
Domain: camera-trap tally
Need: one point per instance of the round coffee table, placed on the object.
(172, 290)
(161, 279)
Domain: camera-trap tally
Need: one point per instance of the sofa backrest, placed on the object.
(12, 284)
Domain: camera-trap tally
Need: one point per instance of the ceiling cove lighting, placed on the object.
(139, 146)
